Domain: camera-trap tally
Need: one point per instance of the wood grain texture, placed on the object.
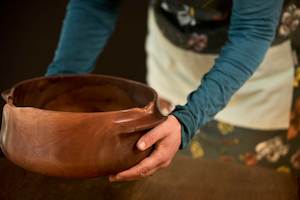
(77, 126)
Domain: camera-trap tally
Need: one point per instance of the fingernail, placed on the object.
(112, 178)
(141, 145)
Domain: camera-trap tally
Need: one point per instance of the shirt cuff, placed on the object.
(188, 126)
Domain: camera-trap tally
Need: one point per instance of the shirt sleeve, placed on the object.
(87, 26)
(252, 29)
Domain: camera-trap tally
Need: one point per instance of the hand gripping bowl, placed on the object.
(77, 126)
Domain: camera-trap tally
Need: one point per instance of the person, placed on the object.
(226, 65)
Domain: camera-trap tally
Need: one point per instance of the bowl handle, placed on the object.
(6, 95)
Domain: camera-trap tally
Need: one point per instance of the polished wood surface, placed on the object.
(77, 126)
(186, 178)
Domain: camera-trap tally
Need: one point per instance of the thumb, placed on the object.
(149, 138)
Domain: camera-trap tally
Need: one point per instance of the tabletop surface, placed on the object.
(186, 178)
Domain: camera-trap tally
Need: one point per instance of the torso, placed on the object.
(202, 25)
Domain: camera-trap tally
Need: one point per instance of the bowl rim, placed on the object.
(8, 94)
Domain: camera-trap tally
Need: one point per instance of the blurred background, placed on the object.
(30, 31)
(28, 38)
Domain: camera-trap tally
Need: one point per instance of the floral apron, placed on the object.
(180, 34)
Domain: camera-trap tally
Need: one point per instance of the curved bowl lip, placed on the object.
(146, 107)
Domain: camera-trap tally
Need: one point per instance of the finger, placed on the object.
(145, 167)
(151, 138)
(114, 178)
(165, 164)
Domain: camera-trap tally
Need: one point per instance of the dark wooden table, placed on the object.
(185, 179)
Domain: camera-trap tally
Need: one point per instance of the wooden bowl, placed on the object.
(77, 126)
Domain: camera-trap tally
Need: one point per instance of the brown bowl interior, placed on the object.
(90, 93)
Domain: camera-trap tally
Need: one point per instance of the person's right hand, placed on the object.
(167, 138)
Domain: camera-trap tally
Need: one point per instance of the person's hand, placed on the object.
(167, 138)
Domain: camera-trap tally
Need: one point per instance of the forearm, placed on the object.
(252, 29)
(87, 26)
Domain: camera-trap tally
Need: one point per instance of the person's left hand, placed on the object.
(167, 139)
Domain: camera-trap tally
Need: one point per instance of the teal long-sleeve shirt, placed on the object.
(89, 23)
